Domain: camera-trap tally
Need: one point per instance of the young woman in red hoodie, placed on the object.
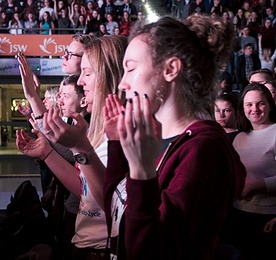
(181, 180)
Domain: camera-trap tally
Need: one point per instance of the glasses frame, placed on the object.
(69, 54)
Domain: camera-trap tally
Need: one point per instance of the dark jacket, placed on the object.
(242, 80)
(180, 213)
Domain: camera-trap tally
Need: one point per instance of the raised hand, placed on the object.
(30, 82)
(140, 137)
(25, 110)
(38, 148)
(57, 131)
(111, 111)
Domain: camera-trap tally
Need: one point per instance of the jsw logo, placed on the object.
(57, 48)
(12, 47)
(3, 41)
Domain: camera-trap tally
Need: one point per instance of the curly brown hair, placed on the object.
(201, 44)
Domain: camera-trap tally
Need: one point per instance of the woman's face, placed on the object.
(48, 100)
(87, 79)
(126, 15)
(267, 52)
(256, 108)
(139, 73)
(225, 114)
(102, 28)
(30, 16)
(81, 18)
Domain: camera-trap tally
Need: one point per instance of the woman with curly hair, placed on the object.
(183, 179)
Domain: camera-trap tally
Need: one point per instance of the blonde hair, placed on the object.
(106, 58)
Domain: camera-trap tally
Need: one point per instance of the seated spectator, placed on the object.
(117, 31)
(140, 16)
(88, 12)
(31, 24)
(108, 7)
(239, 20)
(247, 62)
(244, 39)
(110, 24)
(46, 24)
(81, 26)
(226, 17)
(4, 24)
(271, 15)
(9, 8)
(128, 7)
(102, 30)
(16, 25)
(58, 6)
(30, 8)
(125, 24)
(75, 12)
(267, 32)
(64, 22)
(47, 8)
(93, 23)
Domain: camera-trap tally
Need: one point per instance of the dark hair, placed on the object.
(231, 98)
(72, 80)
(263, 71)
(49, 19)
(201, 45)
(243, 123)
(248, 45)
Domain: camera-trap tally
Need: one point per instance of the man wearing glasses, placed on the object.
(72, 55)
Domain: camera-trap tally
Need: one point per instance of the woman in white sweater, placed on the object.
(256, 145)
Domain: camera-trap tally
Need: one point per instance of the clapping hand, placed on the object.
(112, 111)
(57, 131)
(140, 137)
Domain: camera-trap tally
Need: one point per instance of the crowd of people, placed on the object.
(68, 17)
(177, 160)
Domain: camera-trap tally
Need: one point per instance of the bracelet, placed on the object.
(43, 159)
(39, 116)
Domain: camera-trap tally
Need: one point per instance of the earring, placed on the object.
(159, 96)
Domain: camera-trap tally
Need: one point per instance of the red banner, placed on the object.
(34, 45)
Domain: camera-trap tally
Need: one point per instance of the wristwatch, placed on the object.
(82, 158)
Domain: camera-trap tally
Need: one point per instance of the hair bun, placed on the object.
(215, 36)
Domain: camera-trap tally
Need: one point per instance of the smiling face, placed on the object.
(256, 108)
(87, 79)
(139, 73)
(225, 114)
(72, 66)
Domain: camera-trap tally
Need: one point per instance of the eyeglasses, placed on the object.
(69, 54)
